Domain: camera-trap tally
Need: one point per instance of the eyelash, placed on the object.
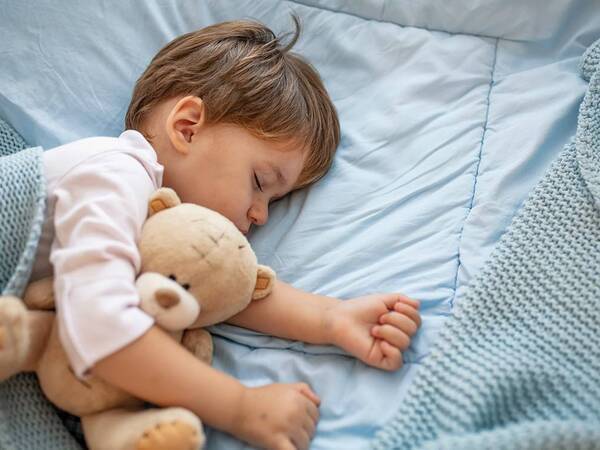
(257, 182)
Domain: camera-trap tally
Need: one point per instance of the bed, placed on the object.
(450, 113)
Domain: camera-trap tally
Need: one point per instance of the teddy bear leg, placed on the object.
(149, 429)
(23, 336)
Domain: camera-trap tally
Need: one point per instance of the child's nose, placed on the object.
(258, 215)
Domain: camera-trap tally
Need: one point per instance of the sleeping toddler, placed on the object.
(232, 120)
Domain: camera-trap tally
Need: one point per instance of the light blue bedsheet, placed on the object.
(446, 125)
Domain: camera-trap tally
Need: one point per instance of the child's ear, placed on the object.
(184, 121)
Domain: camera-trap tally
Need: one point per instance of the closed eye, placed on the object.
(258, 183)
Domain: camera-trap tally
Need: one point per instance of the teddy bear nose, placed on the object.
(167, 298)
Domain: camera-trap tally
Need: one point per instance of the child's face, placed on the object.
(231, 171)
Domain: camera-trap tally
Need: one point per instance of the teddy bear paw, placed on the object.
(172, 435)
(14, 336)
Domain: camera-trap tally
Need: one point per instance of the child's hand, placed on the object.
(278, 416)
(376, 328)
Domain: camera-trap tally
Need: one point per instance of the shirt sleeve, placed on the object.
(100, 207)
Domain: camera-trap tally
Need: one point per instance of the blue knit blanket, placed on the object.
(22, 191)
(27, 419)
(518, 364)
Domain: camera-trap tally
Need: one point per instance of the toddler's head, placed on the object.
(236, 118)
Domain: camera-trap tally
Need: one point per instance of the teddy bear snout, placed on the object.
(167, 298)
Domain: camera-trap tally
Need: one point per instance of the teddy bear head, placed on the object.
(204, 257)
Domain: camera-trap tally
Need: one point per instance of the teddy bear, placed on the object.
(197, 269)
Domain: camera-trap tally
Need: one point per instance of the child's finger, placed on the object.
(285, 444)
(391, 299)
(400, 321)
(309, 426)
(409, 301)
(313, 414)
(312, 410)
(409, 311)
(392, 335)
(305, 389)
(392, 356)
(301, 438)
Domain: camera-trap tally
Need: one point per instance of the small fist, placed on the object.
(278, 416)
(375, 328)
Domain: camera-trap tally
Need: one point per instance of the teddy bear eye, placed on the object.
(173, 277)
(186, 286)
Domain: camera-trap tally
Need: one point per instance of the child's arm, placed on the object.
(157, 369)
(374, 328)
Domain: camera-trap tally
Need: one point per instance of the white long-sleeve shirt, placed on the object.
(97, 193)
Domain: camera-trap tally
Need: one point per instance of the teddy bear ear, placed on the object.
(265, 279)
(161, 199)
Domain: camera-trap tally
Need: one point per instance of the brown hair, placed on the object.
(245, 76)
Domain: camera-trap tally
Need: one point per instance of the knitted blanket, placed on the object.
(22, 191)
(518, 365)
(27, 419)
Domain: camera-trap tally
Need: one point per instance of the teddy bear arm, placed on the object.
(40, 294)
(199, 342)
